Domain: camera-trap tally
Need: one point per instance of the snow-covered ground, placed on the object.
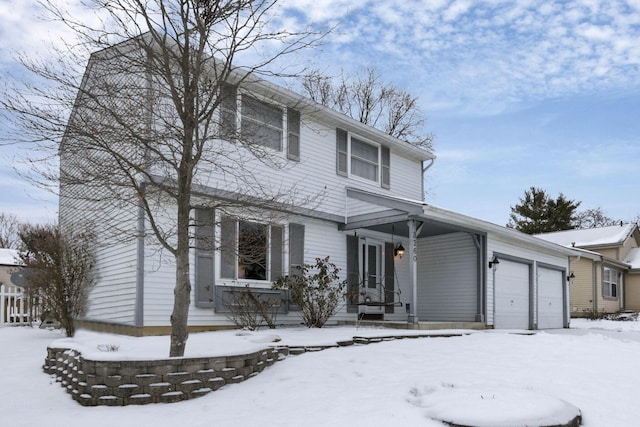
(592, 366)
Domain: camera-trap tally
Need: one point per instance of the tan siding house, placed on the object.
(605, 277)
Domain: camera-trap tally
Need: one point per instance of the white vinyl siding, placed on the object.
(447, 278)
(313, 180)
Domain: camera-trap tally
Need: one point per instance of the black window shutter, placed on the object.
(293, 134)
(228, 111)
(353, 274)
(276, 252)
(204, 252)
(296, 249)
(341, 152)
(386, 167)
(389, 277)
(296, 254)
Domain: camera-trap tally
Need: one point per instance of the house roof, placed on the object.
(614, 235)
(448, 220)
(9, 257)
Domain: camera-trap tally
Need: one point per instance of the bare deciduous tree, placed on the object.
(592, 218)
(9, 226)
(365, 97)
(153, 122)
(59, 269)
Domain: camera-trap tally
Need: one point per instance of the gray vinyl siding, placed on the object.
(447, 278)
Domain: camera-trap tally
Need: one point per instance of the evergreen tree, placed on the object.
(537, 212)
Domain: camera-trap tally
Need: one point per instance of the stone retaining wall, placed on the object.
(138, 382)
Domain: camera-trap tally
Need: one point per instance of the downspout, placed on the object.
(480, 263)
(595, 288)
(139, 306)
(424, 170)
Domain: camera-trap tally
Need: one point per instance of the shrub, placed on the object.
(318, 291)
(250, 310)
(59, 269)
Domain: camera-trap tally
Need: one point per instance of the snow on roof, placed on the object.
(633, 258)
(600, 236)
(9, 257)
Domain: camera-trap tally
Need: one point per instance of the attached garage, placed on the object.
(551, 298)
(465, 270)
(512, 294)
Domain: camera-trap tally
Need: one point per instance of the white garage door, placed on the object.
(512, 295)
(550, 298)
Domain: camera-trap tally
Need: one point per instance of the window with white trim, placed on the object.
(356, 157)
(259, 121)
(610, 282)
(250, 250)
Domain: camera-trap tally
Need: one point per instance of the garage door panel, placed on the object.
(512, 289)
(551, 303)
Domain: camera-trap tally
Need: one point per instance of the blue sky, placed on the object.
(519, 93)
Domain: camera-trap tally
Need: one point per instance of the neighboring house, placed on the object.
(455, 269)
(605, 275)
(13, 303)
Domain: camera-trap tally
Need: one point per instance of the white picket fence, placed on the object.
(14, 306)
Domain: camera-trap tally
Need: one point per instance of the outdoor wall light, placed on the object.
(399, 250)
(494, 261)
(571, 276)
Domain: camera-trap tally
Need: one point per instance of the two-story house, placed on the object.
(353, 193)
(604, 275)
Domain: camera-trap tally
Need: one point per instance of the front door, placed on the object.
(372, 290)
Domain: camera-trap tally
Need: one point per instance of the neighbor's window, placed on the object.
(610, 283)
(261, 123)
(356, 157)
(250, 250)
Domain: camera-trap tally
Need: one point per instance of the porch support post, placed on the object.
(413, 270)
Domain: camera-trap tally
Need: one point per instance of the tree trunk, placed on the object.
(182, 290)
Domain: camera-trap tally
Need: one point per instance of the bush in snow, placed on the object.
(317, 290)
(59, 270)
(250, 310)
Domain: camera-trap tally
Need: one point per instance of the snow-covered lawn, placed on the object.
(592, 366)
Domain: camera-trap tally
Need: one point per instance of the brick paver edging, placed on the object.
(139, 382)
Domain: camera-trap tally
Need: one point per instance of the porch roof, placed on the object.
(392, 219)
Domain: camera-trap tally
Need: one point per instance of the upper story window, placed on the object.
(358, 158)
(610, 283)
(260, 122)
